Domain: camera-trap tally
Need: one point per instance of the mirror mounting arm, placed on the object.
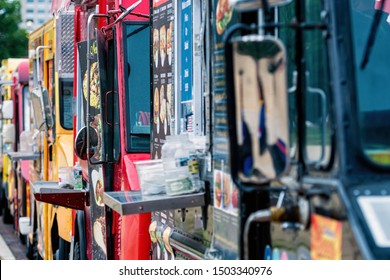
(37, 53)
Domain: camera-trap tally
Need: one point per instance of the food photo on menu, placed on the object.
(163, 44)
(156, 46)
(223, 15)
(169, 42)
(156, 109)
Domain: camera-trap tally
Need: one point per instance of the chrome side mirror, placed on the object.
(258, 111)
(80, 144)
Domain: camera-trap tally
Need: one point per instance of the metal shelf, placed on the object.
(133, 202)
(23, 155)
(50, 192)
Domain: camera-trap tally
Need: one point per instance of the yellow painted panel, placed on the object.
(64, 219)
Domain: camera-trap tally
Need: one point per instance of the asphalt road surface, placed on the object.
(10, 245)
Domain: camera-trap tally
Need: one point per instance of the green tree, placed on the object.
(13, 40)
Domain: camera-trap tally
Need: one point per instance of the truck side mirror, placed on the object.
(257, 109)
(41, 108)
(80, 144)
(8, 109)
(47, 108)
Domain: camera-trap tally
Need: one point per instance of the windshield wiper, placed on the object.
(371, 38)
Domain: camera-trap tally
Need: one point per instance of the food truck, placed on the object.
(313, 179)
(51, 87)
(20, 106)
(284, 102)
(298, 156)
(111, 129)
(14, 83)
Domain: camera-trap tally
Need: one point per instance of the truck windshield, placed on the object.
(372, 81)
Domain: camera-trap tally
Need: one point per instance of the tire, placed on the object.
(76, 251)
(7, 217)
(1, 193)
(63, 249)
(80, 239)
(32, 249)
(23, 238)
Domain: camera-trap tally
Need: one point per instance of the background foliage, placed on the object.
(13, 40)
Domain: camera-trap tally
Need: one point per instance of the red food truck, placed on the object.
(16, 109)
(291, 150)
(112, 128)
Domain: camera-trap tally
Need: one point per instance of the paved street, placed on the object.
(10, 246)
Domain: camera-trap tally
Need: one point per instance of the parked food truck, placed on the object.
(277, 110)
(108, 35)
(16, 111)
(15, 200)
(313, 187)
(51, 87)
(298, 156)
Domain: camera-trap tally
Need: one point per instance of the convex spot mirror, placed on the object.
(8, 109)
(258, 111)
(47, 108)
(248, 5)
(80, 145)
(42, 108)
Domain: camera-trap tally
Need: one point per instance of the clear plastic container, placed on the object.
(77, 177)
(65, 177)
(26, 141)
(180, 165)
(151, 176)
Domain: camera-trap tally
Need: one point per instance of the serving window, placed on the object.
(137, 85)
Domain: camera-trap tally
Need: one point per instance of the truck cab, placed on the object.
(329, 201)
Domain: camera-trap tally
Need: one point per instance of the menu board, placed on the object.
(163, 59)
(225, 214)
(163, 110)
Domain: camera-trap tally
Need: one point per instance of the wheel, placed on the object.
(7, 217)
(76, 251)
(23, 238)
(63, 250)
(35, 252)
(1, 193)
(32, 249)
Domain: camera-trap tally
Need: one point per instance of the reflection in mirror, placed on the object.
(47, 108)
(80, 145)
(261, 114)
(248, 5)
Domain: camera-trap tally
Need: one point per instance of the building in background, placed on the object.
(35, 13)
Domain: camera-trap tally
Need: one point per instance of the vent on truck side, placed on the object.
(65, 45)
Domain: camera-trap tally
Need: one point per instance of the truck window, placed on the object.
(137, 85)
(66, 104)
(318, 135)
(372, 82)
(26, 109)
